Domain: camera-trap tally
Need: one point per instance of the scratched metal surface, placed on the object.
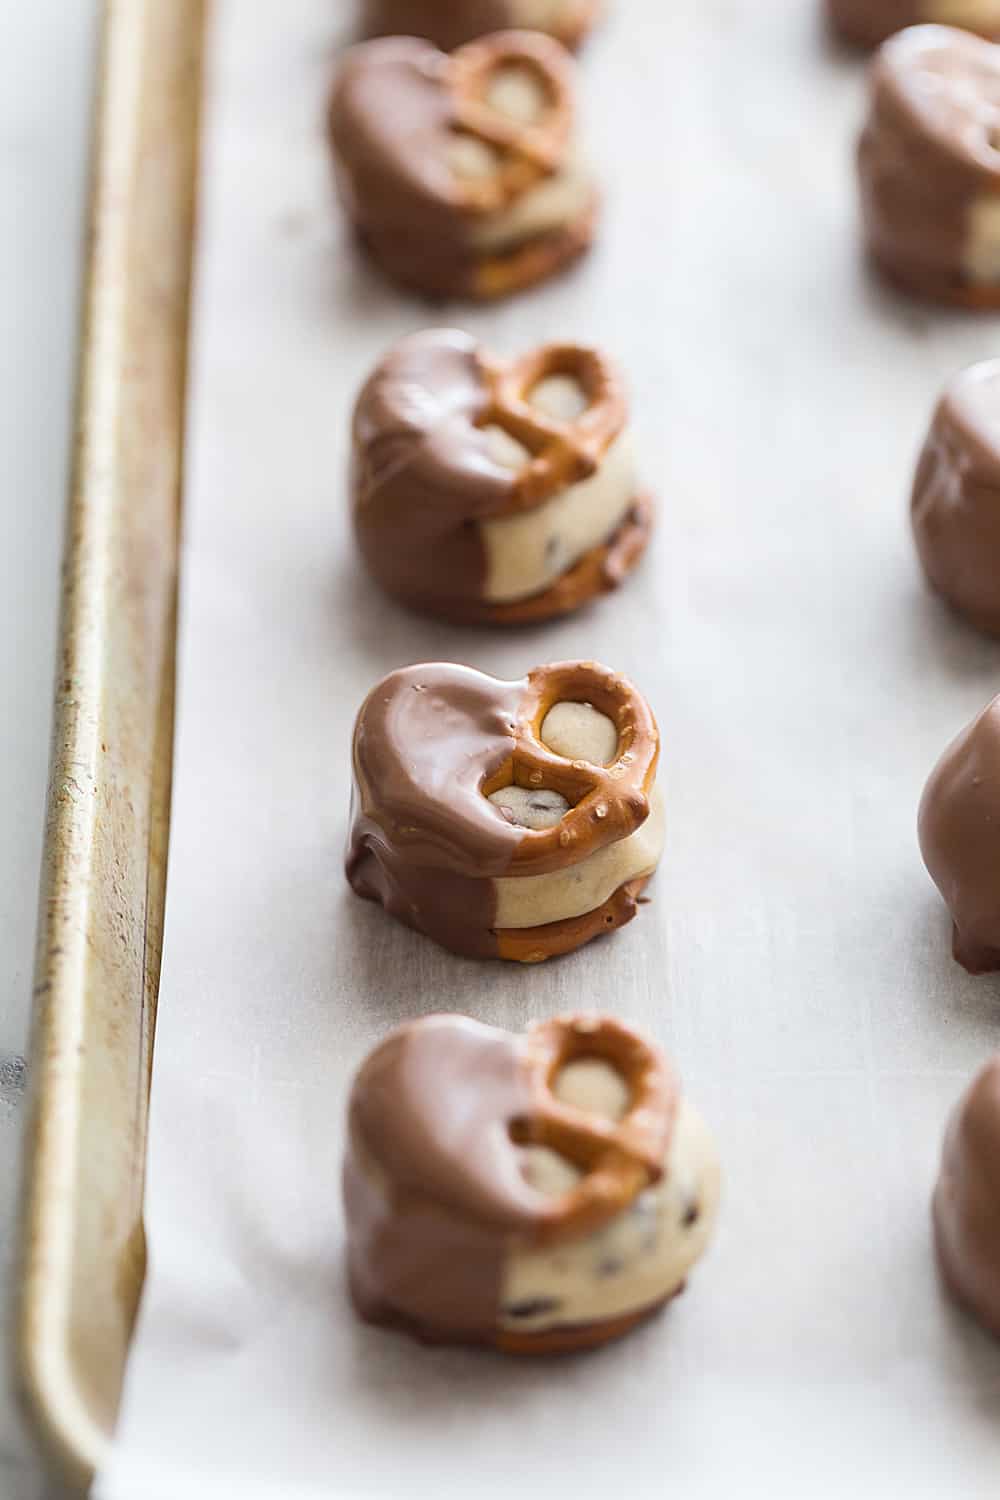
(794, 958)
(46, 67)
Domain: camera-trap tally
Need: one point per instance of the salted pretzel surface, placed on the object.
(562, 452)
(619, 1159)
(607, 803)
(527, 151)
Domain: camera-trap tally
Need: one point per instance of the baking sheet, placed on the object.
(795, 957)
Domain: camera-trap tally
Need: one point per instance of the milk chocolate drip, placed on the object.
(967, 1200)
(926, 155)
(956, 497)
(432, 1178)
(424, 840)
(960, 838)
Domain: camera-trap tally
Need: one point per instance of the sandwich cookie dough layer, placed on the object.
(633, 1264)
(527, 552)
(537, 900)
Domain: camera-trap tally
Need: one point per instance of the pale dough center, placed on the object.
(637, 1260)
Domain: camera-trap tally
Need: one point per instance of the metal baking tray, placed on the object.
(794, 955)
(103, 882)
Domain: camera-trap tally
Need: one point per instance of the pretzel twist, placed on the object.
(527, 152)
(607, 802)
(562, 453)
(620, 1159)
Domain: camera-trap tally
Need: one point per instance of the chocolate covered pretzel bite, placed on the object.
(955, 508)
(512, 820)
(540, 1193)
(495, 491)
(866, 23)
(929, 165)
(959, 827)
(450, 23)
(461, 171)
(966, 1205)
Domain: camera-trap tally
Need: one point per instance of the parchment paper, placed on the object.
(795, 958)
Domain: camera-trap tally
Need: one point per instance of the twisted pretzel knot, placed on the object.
(620, 1159)
(528, 152)
(562, 453)
(607, 802)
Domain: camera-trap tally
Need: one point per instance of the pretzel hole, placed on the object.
(530, 807)
(548, 1172)
(545, 1170)
(593, 1085)
(560, 397)
(505, 449)
(519, 93)
(577, 731)
(471, 159)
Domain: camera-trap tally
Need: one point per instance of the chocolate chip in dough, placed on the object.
(534, 1307)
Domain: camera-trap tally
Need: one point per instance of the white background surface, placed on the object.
(795, 959)
(45, 83)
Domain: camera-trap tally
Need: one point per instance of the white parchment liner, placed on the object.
(795, 958)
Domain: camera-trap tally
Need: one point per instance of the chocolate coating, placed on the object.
(866, 23)
(391, 121)
(424, 840)
(926, 155)
(390, 125)
(966, 1205)
(422, 472)
(959, 827)
(956, 496)
(431, 1177)
(451, 23)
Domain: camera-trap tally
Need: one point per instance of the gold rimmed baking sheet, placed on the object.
(103, 882)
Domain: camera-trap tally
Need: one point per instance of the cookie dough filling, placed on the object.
(638, 1260)
(534, 900)
(577, 732)
(526, 553)
(540, 1193)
